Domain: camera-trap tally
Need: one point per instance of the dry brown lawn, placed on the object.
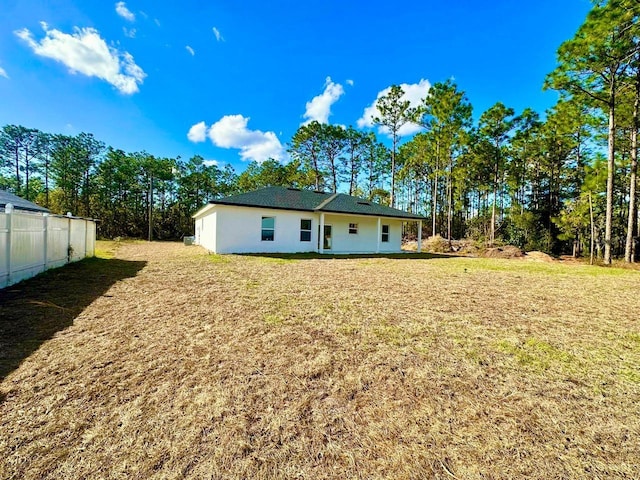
(166, 362)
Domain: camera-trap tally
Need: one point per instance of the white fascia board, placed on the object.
(203, 210)
(342, 214)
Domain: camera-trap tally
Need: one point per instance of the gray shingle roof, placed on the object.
(19, 203)
(282, 198)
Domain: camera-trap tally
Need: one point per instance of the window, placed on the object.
(385, 233)
(268, 229)
(305, 230)
(353, 228)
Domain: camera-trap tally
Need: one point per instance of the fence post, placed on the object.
(8, 210)
(69, 252)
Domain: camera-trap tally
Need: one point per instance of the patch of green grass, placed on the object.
(106, 248)
(275, 260)
(348, 329)
(271, 319)
(105, 254)
(630, 374)
(633, 337)
(391, 334)
(348, 256)
(533, 267)
(537, 355)
(213, 258)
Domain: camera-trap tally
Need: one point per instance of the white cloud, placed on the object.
(84, 51)
(208, 163)
(3, 73)
(129, 32)
(218, 35)
(349, 82)
(414, 92)
(190, 50)
(124, 12)
(157, 22)
(231, 132)
(319, 108)
(198, 132)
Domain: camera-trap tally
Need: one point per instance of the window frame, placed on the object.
(384, 236)
(353, 229)
(267, 229)
(306, 230)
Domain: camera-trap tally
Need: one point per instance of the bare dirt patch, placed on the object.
(204, 366)
(539, 256)
(508, 251)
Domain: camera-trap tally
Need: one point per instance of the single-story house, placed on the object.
(19, 203)
(291, 220)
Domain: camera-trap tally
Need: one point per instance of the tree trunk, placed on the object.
(150, 233)
(26, 173)
(492, 231)
(334, 176)
(435, 194)
(628, 250)
(314, 159)
(492, 234)
(17, 169)
(352, 184)
(593, 233)
(449, 199)
(610, 175)
(46, 178)
(392, 199)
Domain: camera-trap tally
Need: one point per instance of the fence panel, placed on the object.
(27, 246)
(78, 239)
(90, 247)
(57, 241)
(4, 250)
(31, 243)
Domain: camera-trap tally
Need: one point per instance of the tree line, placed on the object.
(563, 181)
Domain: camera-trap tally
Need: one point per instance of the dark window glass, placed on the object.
(385, 233)
(268, 229)
(305, 230)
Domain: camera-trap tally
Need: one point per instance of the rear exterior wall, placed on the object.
(233, 229)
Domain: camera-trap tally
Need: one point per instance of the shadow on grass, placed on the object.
(32, 311)
(345, 256)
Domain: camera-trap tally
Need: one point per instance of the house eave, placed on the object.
(214, 204)
(362, 214)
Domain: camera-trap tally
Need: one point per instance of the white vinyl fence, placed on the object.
(31, 243)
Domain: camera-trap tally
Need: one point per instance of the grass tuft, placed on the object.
(536, 354)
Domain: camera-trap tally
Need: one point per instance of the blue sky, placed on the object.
(232, 81)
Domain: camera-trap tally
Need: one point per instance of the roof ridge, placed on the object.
(327, 201)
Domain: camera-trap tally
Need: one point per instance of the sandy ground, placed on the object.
(166, 362)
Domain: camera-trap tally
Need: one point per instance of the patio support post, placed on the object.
(379, 235)
(321, 234)
(419, 236)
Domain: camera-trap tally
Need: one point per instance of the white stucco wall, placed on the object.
(206, 229)
(231, 229)
(365, 241)
(239, 230)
